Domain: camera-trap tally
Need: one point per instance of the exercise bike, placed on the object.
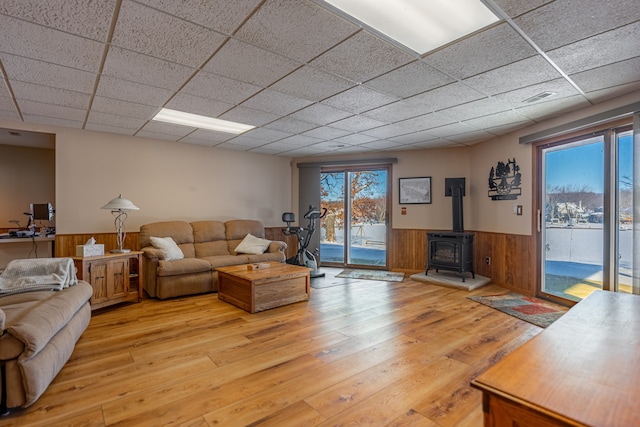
(304, 257)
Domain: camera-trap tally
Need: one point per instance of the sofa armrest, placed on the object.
(277, 246)
(152, 253)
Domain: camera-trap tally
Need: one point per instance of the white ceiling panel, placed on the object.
(148, 31)
(242, 61)
(299, 30)
(362, 57)
(303, 74)
(89, 19)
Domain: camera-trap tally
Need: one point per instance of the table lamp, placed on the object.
(119, 207)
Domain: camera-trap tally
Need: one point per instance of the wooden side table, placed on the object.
(115, 278)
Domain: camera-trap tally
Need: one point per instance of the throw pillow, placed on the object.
(168, 247)
(252, 245)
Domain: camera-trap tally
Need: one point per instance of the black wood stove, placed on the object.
(452, 250)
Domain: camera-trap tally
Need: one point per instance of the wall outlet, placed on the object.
(487, 260)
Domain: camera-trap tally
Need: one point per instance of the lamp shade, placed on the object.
(120, 203)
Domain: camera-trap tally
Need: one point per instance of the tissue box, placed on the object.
(90, 250)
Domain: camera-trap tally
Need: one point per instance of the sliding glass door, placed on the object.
(354, 231)
(586, 214)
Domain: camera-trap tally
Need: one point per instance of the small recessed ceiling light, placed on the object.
(201, 122)
(422, 26)
(538, 97)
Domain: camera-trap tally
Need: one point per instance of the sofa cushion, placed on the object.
(237, 229)
(209, 238)
(183, 266)
(252, 245)
(180, 231)
(168, 246)
(227, 260)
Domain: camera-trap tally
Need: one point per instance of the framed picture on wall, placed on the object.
(415, 190)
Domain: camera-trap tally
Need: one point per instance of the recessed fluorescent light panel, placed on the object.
(201, 122)
(422, 26)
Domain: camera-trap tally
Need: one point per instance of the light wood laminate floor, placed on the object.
(366, 353)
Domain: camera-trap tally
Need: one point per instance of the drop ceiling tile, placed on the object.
(350, 149)
(527, 72)
(470, 138)
(554, 108)
(207, 137)
(299, 140)
(267, 135)
(359, 99)
(433, 143)
(249, 116)
(34, 108)
(380, 145)
(196, 105)
(42, 73)
(123, 108)
(560, 23)
(157, 135)
(414, 138)
(296, 29)
(148, 31)
(506, 129)
(266, 150)
(357, 124)
(394, 112)
(473, 109)
(444, 97)
(409, 80)
(603, 49)
(7, 109)
(111, 87)
(53, 121)
(326, 133)
(426, 121)
(361, 58)
(49, 45)
(608, 76)
(91, 19)
(500, 119)
(514, 8)
(387, 131)
(242, 61)
(109, 129)
(167, 129)
(355, 139)
(494, 47)
(515, 98)
(329, 145)
(212, 86)
(135, 67)
(287, 124)
(245, 141)
(275, 102)
(451, 130)
(50, 95)
(312, 84)
(612, 92)
(117, 121)
(218, 15)
(321, 114)
(198, 141)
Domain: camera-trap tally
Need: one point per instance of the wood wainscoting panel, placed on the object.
(512, 256)
(65, 245)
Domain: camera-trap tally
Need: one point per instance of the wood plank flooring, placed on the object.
(366, 353)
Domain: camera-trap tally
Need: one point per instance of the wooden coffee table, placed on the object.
(262, 289)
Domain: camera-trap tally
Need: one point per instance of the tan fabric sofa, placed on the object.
(206, 245)
(39, 332)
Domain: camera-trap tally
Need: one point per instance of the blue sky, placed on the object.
(583, 165)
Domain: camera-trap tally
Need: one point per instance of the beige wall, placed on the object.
(27, 175)
(166, 180)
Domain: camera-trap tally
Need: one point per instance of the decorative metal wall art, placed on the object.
(504, 181)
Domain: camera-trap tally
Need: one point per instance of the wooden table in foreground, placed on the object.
(262, 289)
(583, 370)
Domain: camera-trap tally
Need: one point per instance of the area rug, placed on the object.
(387, 276)
(452, 280)
(533, 310)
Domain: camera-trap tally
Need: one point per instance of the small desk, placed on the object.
(14, 248)
(583, 370)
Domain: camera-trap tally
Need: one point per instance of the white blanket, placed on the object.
(40, 274)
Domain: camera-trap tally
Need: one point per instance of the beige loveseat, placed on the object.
(206, 246)
(39, 331)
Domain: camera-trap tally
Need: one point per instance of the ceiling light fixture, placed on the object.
(422, 26)
(201, 122)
